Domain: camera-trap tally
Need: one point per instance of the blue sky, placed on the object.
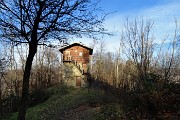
(126, 5)
(162, 12)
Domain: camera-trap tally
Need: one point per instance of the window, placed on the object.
(67, 56)
(67, 53)
(80, 54)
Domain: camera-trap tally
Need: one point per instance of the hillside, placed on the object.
(96, 104)
(72, 104)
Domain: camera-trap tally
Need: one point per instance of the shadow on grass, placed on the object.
(112, 103)
(149, 103)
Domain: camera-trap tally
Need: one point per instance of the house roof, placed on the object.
(76, 44)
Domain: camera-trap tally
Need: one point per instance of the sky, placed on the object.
(162, 12)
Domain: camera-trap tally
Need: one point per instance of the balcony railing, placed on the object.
(67, 58)
(78, 66)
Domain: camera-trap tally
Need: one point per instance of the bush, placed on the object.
(9, 104)
(38, 96)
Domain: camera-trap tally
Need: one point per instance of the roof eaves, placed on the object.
(63, 48)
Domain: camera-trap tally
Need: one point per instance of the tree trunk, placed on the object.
(25, 87)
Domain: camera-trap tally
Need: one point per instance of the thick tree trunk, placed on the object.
(25, 87)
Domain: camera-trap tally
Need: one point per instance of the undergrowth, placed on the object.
(63, 99)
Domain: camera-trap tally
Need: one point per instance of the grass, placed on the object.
(111, 111)
(64, 99)
(34, 113)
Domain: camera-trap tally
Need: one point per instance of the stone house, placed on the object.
(76, 58)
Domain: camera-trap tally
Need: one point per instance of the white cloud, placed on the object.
(162, 14)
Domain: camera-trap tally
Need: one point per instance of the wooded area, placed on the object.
(34, 22)
(144, 76)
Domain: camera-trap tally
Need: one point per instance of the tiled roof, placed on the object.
(76, 44)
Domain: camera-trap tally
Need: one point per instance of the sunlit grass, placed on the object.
(63, 99)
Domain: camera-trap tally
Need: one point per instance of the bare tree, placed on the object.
(31, 21)
(1, 78)
(168, 60)
(138, 43)
(98, 59)
(4, 64)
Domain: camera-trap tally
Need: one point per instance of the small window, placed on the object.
(80, 54)
(67, 53)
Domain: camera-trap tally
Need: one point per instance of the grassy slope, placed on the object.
(64, 100)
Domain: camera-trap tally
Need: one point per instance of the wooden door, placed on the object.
(78, 81)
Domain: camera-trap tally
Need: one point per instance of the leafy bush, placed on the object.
(38, 96)
(9, 104)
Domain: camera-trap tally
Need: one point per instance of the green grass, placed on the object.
(111, 111)
(34, 113)
(64, 99)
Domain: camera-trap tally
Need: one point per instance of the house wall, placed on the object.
(78, 54)
(71, 73)
(76, 60)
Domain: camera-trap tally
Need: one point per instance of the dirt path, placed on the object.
(83, 112)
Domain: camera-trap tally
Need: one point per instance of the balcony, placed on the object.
(67, 58)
